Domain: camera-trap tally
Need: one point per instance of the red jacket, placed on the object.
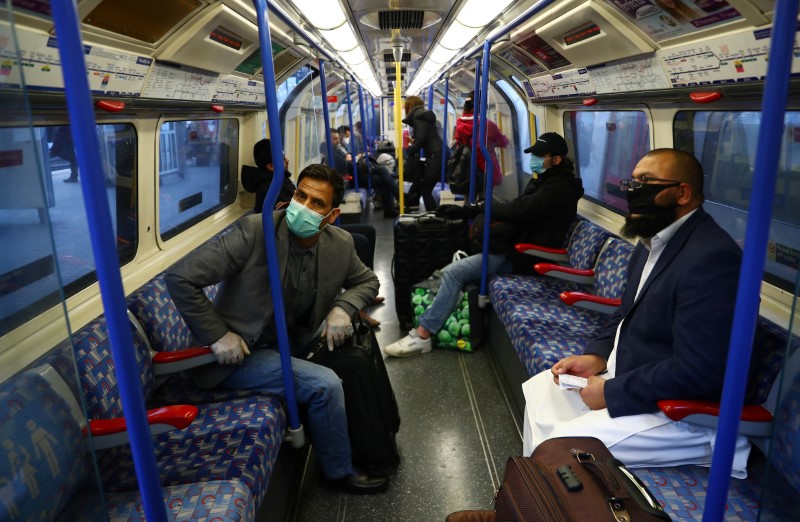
(494, 138)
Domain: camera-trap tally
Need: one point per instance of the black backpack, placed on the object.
(458, 170)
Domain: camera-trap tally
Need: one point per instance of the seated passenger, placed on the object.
(669, 338)
(239, 325)
(541, 215)
(342, 160)
(344, 137)
(258, 179)
(383, 182)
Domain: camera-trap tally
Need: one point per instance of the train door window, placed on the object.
(725, 143)
(286, 88)
(197, 171)
(29, 199)
(523, 130)
(606, 146)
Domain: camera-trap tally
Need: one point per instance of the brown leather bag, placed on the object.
(573, 479)
(569, 479)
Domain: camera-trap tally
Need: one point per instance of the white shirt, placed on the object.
(655, 245)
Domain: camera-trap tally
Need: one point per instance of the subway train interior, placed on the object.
(128, 133)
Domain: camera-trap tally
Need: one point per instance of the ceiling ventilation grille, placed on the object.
(389, 58)
(400, 19)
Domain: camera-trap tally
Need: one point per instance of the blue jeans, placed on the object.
(455, 278)
(316, 386)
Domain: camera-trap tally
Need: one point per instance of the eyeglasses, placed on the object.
(633, 183)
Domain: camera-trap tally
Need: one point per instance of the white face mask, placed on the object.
(346, 141)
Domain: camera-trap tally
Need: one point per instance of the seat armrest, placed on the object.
(108, 433)
(605, 305)
(755, 421)
(165, 363)
(575, 275)
(553, 254)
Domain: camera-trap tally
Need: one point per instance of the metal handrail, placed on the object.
(483, 296)
(748, 296)
(444, 130)
(323, 86)
(103, 239)
(268, 222)
(473, 160)
(350, 121)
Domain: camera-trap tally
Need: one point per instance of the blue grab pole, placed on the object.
(430, 96)
(364, 128)
(275, 284)
(487, 46)
(444, 130)
(324, 93)
(103, 239)
(374, 123)
(770, 140)
(476, 100)
(350, 120)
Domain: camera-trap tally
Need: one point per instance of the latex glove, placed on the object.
(230, 349)
(338, 327)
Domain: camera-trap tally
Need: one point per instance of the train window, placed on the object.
(33, 204)
(606, 145)
(523, 127)
(197, 171)
(291, 82)
(725, 143)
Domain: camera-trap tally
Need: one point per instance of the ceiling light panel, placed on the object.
(324, 15)
(342, 38)
(477, 13)
(458, 36)
(442, 54)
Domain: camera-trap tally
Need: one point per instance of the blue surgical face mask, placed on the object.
(302, 221)
(537, 164)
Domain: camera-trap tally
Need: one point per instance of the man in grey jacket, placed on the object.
(316, 262)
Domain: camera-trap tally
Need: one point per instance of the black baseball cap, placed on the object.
(549, 143)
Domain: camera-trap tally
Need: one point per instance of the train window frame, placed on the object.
(228, 196)
(621, 207)
(67, 250)
(724, 206)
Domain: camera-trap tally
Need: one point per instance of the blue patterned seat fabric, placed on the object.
(234, 439)
(541, 327)
(46, 473)
(771, 493)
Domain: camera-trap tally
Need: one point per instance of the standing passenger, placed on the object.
(668, 339)
(423, 123)
(541, 215)
(462, 134)
(316, 262)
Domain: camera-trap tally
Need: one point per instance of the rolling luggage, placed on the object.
(372, 415)
(569, 479)
(422, 244)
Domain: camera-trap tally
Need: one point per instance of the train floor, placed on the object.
(457, 428)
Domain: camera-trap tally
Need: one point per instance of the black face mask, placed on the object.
(652, 218)
(643, 199)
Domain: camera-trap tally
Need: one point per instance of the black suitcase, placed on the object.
(372, 415)
(422, 244)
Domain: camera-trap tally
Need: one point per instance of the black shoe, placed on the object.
(391, 212)
(360, 483)
(71, 180)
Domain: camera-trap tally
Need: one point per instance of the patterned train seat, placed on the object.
(47, 472)
(771, 489)
(541, 327)
(234, 439)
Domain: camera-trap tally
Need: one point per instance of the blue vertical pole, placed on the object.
(275, 283)
(430, 96)
(473, 160)
(444, 130)
(482, 298)
(103, 239)
(375, 122)
(770, 139)
(350, 120)
(364, 128)
(324, 88)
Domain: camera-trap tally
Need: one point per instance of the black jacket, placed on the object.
(258, 180)
(544, 211)
(425, 134)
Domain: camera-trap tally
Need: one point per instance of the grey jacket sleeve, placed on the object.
(211, 263)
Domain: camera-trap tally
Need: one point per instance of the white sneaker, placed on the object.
(412, 344)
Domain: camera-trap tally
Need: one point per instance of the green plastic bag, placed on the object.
(458, 332)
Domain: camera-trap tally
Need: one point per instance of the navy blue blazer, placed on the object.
(674, 341)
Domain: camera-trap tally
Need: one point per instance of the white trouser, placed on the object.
(637, 440)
